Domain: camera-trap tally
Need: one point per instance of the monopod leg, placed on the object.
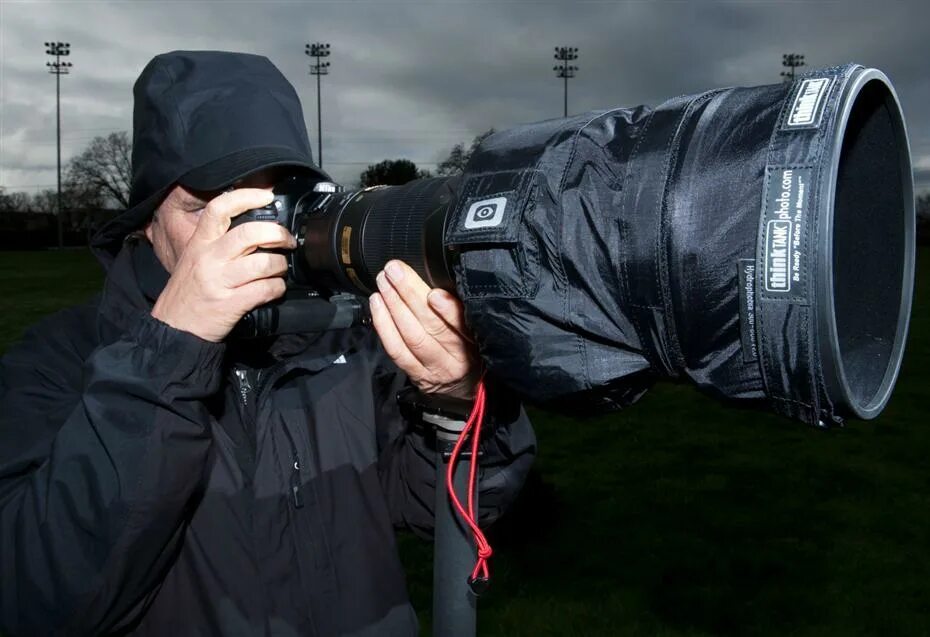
(454, 603)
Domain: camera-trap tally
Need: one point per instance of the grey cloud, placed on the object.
(410, 79)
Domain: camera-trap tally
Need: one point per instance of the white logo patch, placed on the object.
(778, 256)
(341, 360)
(806, 109)
(487, 213)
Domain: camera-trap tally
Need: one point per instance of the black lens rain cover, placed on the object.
(758, 242)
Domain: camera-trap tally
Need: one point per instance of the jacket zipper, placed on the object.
(296, 498)
(245, 387)
(245, 390)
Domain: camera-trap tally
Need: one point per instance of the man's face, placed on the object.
(174, 221)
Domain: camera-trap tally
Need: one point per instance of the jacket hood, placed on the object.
(206, 119)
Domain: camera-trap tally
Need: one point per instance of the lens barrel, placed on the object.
(351, 236)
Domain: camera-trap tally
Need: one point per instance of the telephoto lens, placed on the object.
(758, 242)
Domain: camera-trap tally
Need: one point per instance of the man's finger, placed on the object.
(451, 310)
(391, 339)
(246, 238)
(428, 350)
(215, 219)
(260, 292)
(252, 267)
(413, 291)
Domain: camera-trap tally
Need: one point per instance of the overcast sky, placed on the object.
(410, 79)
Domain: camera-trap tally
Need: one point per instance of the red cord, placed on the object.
(474, 421)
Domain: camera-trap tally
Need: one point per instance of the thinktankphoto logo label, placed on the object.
(778, 257)
(784, 256)
(487, 213)
(807, 108)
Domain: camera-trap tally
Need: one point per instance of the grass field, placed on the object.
(680, 516)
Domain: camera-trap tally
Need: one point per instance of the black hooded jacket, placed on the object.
(154, 483)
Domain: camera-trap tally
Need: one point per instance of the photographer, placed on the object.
(157, 478)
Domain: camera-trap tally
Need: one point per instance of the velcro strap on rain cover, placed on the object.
(789, 247)
(643, 259)
(486, 228)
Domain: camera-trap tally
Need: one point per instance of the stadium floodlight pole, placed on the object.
(58, 68)
(318, 50)
(791, 61)
(565, 54)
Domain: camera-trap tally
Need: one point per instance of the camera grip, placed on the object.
(273, 212)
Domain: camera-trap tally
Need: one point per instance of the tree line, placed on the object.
(96, 185)
(396, 172)
(99, 177)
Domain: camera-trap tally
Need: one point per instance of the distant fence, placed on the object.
(38, 231)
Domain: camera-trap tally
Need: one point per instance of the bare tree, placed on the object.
(74, 198)
(103, 172)
(458, 157)
(46, 202)
(14, 201)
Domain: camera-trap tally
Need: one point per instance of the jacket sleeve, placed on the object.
(100, 456)
(407, 463)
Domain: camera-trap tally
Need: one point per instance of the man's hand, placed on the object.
(423, 331)
(220, 277)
